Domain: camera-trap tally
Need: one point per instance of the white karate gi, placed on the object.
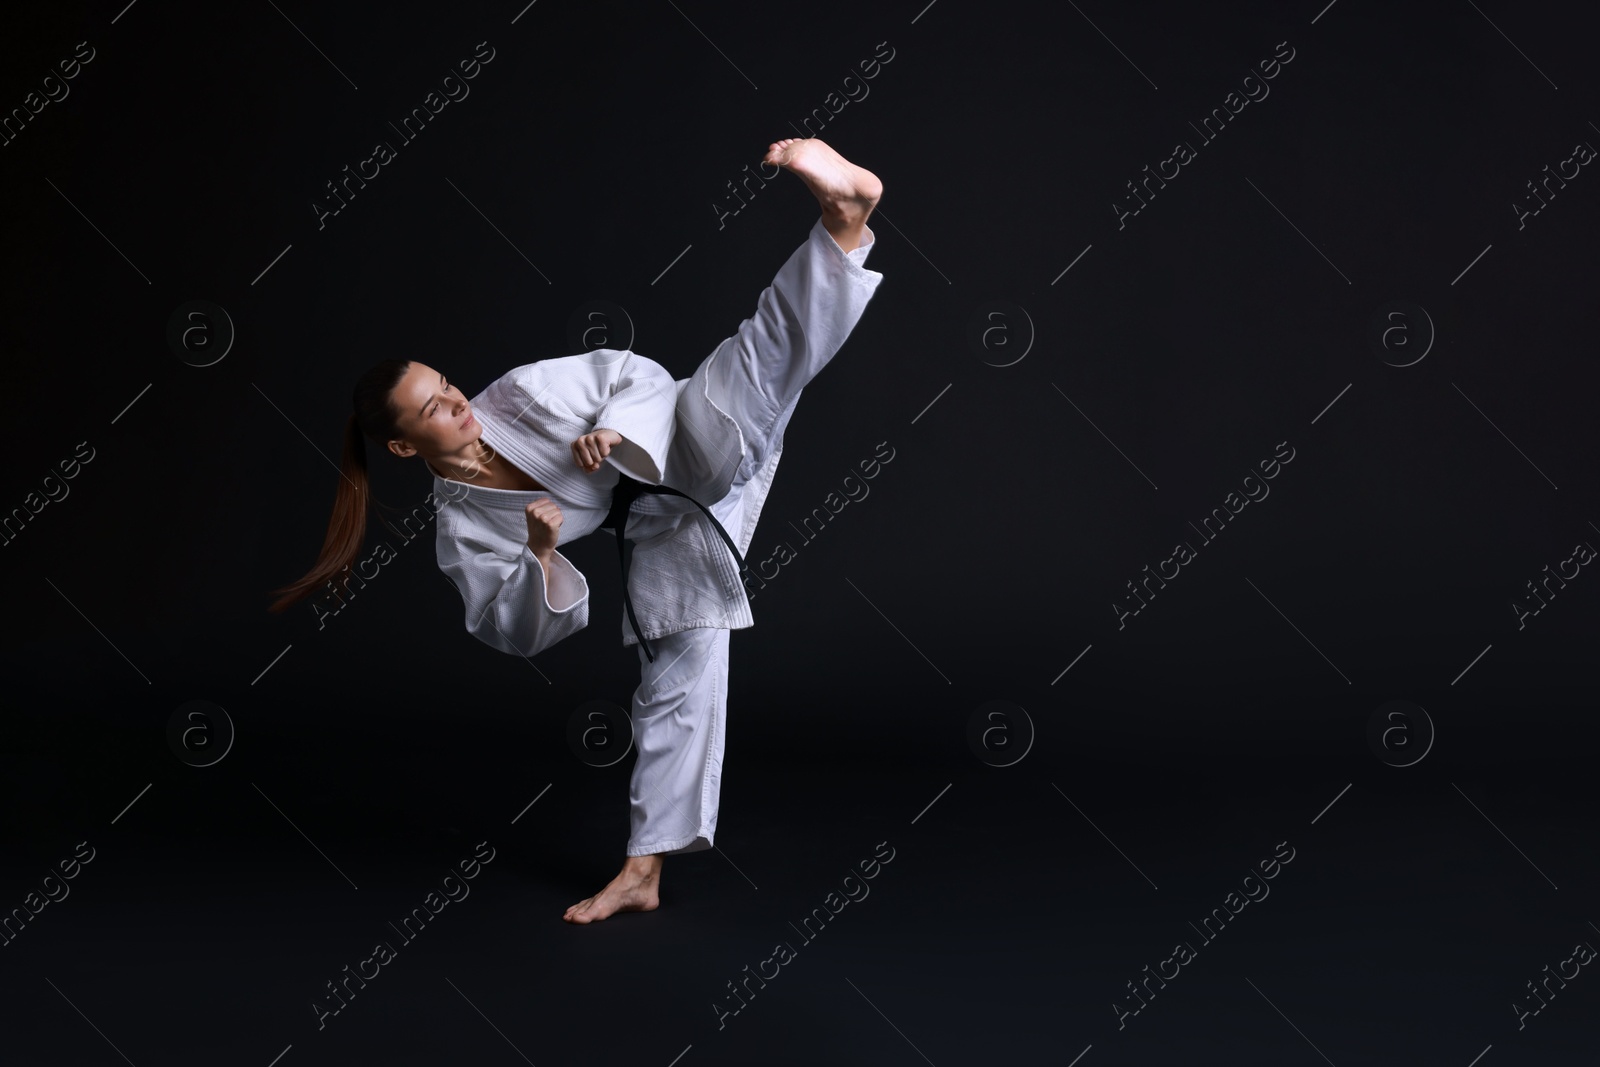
(717, 436)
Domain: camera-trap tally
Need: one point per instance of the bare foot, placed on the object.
(845, 190)
(635, 889)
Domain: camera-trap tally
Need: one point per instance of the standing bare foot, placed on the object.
(635, 889)
(848, 193)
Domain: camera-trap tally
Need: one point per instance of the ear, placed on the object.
(402, 448)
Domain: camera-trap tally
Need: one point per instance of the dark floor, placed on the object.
(1009, 912)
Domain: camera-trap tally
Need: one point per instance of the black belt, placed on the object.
(627, 491)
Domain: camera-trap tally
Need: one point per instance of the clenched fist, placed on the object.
(544, 526)
(591, 448)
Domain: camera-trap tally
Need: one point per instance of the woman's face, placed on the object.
(433, 415)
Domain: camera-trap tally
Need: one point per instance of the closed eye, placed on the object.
(435, 410)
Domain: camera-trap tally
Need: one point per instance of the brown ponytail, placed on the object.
(374, 417)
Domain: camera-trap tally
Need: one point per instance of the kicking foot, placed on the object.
(635, 889)
(846, 191)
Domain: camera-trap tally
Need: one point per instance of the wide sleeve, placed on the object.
(640, 403)
(511, 604)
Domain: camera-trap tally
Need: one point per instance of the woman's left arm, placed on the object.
(634, 424)
(590, 450)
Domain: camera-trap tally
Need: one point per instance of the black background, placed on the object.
(1233, 713)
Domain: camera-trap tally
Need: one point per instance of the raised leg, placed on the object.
(848, 193)
(804, 317)
(732, 413)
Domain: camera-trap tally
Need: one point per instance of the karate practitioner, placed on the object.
(531, 462)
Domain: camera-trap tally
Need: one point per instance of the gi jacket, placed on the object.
(682, 574)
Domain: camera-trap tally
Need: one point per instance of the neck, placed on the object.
(473, 462)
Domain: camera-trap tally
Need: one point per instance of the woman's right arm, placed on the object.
(522, 605)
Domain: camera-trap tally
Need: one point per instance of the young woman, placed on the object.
(531, 463)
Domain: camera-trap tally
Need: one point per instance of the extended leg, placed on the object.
(734, 410)
(804, 317)
(848, 193)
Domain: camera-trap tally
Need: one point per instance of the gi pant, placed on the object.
(680, 708)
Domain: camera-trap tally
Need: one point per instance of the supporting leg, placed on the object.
(680, 715)
(679, 723)
(637, 888)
